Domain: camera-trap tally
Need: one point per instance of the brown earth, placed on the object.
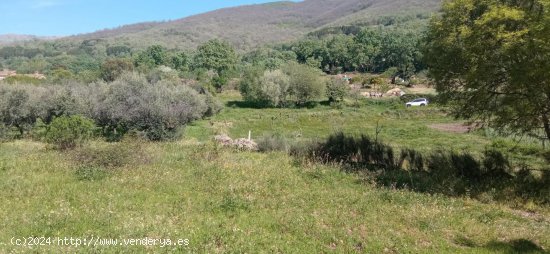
(452, 127)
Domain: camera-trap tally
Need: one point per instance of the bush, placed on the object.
(113, 68)
(411, 160)
(306, 84)
(274, 88)
(158, 111)
(270, 89)
(69, 131)
(341, 148)
(273, 142)
(111, 155)
(495, 163)
(337, 89)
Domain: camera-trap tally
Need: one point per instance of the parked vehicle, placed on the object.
(418, 102)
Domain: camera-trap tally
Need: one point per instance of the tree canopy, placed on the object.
(491, 59)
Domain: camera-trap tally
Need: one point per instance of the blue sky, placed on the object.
(67, 17)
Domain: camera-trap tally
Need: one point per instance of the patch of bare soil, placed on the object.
(452, 127)
(421, 90)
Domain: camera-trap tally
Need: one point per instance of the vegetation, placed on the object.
(295, 84)
(134, 117)
(69, 131)
(130, 103)
(490, 58)
(225, 194)
(370, 50)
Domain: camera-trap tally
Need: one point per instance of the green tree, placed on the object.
(18, 108)
(60, 75)
(216, 55)
(491, 59)
(111, 69)
(153, 56)
(118, 51)
(337, 89)
(180, 62)
(305, 84)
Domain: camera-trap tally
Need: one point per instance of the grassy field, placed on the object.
(399, 126)
(223, 200)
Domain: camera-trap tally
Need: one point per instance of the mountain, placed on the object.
(249, 26)
(15, 38)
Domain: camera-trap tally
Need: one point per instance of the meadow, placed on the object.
(225, 200)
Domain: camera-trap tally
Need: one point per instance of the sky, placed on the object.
(69, 17)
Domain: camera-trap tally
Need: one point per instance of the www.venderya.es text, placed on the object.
(97, 241)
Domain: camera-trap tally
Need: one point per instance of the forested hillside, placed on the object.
(249, 26)
(16, 38)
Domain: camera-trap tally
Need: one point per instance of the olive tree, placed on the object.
(306, 83)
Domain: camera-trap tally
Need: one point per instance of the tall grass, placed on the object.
(441, 171)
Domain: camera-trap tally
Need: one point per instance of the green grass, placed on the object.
(229, 201)
(400, 126)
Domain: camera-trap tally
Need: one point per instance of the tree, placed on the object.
(490, 58)
(118, 51)
(18, 108)
(337, 89)
(113, 68)
(153, 56)
(180, 62)
(216, 55)
(305, 82)
(269, 89)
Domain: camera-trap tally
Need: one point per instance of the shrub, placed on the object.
(22, 79)
(341, 148)
(306, 83)
(273, 142)
(250, 83)
(337, 89)
(159, 110)
(411, 160)
(69, 131)
(111, 155)
(269, 89)
(466, 166)
(495, 163)
(94, 162)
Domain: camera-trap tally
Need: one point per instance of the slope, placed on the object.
(249, 26)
